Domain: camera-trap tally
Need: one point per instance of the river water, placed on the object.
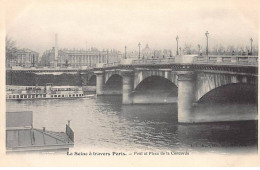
(104, 123)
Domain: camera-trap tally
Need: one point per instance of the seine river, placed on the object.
(104, 123)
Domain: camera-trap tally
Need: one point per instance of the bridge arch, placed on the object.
(113, 85)
(207, 83)
(155, 89)
(110, 73)
(231, 93)
(92, 80)
(143, 74)
(115, 79)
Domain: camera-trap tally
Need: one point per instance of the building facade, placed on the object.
(78, 58)
(148, 53)
(23, 58)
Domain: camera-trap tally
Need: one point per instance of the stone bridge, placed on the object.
(181, 79)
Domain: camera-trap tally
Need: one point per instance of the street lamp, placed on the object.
(125, 52)
(199, 49)
(207, 49)
(251, 39)
(139, 45)
(177, 38)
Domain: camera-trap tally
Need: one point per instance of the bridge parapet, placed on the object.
(111, 64)
(195, 59)
(170, 60)
(227, 60)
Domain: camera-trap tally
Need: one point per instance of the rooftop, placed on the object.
(36, 139)
(21, 136)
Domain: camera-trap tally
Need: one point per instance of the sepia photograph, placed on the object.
(136, 81)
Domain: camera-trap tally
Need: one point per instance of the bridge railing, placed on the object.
(227, 60)
(154, 61)
(218, 60)
(111, 64)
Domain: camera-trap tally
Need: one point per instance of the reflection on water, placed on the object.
(104, 122)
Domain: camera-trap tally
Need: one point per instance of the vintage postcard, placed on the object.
(129, 83)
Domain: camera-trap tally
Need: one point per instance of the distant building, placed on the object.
(27, 58)
(147, 52)
(132, 54)
(160, 54)
(23, 58)
(77, 58)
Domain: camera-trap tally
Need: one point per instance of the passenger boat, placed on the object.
(43, 92)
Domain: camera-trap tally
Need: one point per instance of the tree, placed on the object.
(187, 48)
(255, 50)
(230, 50)
(10, 50)
(221, 50)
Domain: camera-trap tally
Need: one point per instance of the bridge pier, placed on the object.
(99, 82)
(186, 96)
(128, 86)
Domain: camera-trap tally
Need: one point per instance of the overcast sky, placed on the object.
(114, 24)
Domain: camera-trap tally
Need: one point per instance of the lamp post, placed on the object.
(207, 48)
(177, 52)
(251, 39)
(180, 50)
(125, 52)
(139, 45)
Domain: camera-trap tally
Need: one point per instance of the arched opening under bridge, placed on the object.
(155, 89)
(114, 85)
(231, 102)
